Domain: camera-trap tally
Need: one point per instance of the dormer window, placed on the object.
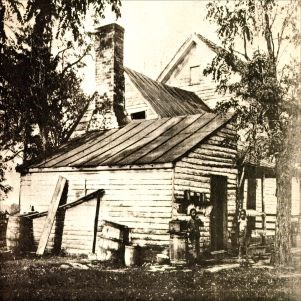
(138, 115)
(195, 75)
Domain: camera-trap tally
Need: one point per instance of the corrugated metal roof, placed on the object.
(167, 101)
(140, 142)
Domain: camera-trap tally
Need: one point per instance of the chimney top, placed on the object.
(108, 27)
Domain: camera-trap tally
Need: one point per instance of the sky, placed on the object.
(154, 30)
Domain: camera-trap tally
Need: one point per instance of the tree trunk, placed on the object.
(282, 253)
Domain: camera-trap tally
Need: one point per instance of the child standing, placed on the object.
(194, 228)
(245, 230)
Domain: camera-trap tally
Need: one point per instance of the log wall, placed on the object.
(194, 171)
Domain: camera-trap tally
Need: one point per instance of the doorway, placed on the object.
(218, 217)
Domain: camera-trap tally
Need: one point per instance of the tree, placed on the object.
(42, 46)
(265, 92)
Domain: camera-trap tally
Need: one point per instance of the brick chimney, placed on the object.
(109, 75)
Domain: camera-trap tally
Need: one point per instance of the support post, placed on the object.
(96, 222)
(263, 242)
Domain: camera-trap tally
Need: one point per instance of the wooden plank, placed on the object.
(214, 153)
(160, 140)
(76, 146)
(96, 223)
(57, 195)
(126, 156)
(208, 168)
(218, 148)
(175, 138)
(143, 135)
(91, 145)
(106, 145)
(206, 129)
(101, 168)
(69, 146)
(212, 157)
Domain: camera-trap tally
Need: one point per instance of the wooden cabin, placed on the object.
(185, 71)
(144, 169)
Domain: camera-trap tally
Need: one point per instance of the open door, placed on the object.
(218, 218)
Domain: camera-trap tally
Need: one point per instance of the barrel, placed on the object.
(178, 248)
(19, 234)
(131, 256)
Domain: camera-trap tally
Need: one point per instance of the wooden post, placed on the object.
(96, 223)
(263, 209)
(251, 196)
(57, 195)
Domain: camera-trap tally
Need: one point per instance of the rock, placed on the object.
(222, 267)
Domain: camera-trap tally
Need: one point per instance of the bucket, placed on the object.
(131, 257)
(19, 234)
(178, 248)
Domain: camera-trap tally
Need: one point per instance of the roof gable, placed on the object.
(140, 142)
(165, 100)
(185, 48)
(193, 40)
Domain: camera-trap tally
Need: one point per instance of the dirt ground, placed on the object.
(63, 278)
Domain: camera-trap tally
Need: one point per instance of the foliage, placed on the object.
(265, 96)
(42, 47)
(266, 91)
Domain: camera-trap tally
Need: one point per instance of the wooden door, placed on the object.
(218, 218)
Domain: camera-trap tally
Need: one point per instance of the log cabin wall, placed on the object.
(138, 198)
(193, 172)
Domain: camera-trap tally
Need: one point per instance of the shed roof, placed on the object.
(167, 101)
(140, 142)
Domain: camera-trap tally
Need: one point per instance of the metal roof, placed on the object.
(140, 142)
(167, 101)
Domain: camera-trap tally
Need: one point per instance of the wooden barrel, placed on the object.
(131, 256)
(19, 235)
(178, 248)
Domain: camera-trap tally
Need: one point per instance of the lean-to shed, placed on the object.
(144, 168)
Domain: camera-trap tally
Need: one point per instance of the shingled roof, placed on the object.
(140, 142)
(167, 101)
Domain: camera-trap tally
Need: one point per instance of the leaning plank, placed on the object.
(57, 195)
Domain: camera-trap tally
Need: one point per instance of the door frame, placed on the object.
(218, 181)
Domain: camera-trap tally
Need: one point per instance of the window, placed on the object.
(138, 115)
(195, 75)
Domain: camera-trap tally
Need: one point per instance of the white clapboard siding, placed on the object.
(82, 219)
(140, 199)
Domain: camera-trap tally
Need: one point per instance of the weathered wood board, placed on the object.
(57, 195)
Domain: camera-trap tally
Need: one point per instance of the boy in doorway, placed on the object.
(194, 228)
